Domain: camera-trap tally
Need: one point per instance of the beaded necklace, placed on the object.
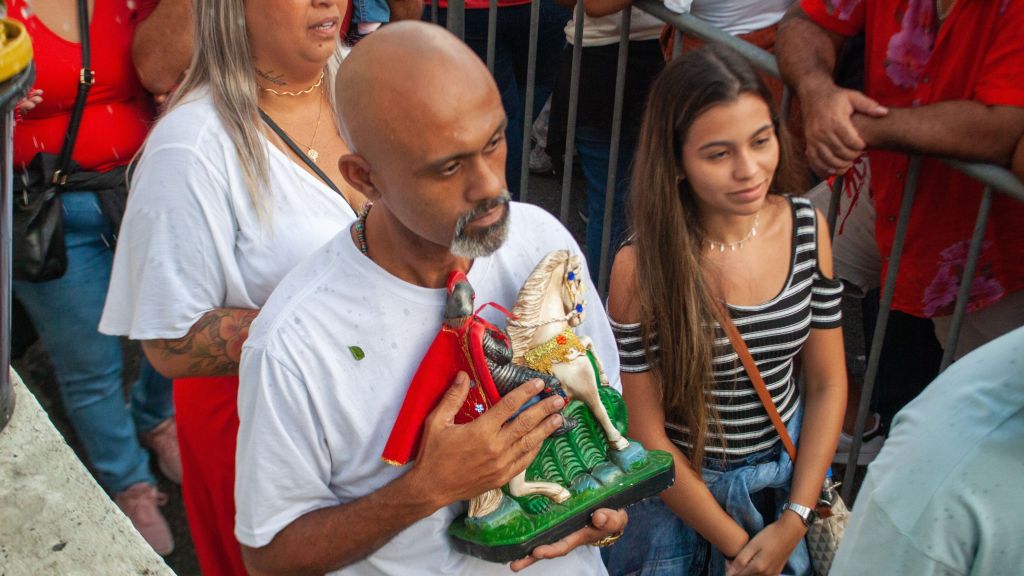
(361, 229)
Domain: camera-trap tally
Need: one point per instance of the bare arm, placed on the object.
(962, 129)
(824, 404)
(807, 60)
(212, 347)
(596, 8)
(689, 497)
(405, 9)
(494, 450)
(162, 46)
(1017, 165)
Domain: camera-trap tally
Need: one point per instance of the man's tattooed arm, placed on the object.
(213, 347)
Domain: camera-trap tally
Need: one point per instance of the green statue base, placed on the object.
(597, 477)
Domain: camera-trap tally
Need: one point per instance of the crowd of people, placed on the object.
(301, 185)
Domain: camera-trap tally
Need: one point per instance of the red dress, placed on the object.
(207, 414)
(976, 54)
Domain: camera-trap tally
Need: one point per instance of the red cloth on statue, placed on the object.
(207, 416)
(453, 351)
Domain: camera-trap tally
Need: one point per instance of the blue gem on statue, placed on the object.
(579, 308)
(572, 276)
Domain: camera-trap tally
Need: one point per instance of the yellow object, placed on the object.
(15, 48)
(560, 349)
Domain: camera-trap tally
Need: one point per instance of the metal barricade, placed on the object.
(18, 74)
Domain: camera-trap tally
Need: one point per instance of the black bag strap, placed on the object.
(86, 78)
(302, 155)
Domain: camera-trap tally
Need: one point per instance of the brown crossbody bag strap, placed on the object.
(755, 378)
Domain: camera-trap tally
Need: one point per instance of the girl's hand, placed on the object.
(766, 553)
(31, 100)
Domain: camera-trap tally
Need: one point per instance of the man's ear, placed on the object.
(356, 172)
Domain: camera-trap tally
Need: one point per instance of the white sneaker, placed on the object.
(540, 162)
(869, 447)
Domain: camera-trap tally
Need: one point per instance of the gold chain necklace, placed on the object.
(310, 151)
(300, 93)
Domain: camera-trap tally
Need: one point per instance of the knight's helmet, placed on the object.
(460, 297)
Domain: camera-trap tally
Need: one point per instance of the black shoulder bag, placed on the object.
(38, 225)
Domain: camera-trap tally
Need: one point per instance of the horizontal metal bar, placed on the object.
(997, 177)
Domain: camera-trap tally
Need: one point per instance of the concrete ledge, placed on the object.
(54, 518)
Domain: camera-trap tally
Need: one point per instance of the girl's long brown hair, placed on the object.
(676, 300)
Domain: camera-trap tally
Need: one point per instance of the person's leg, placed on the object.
(593, 146)
(152, 400)
(153, 410)
(88, 365)
(207, 416)
(66, 313)
(550, 46)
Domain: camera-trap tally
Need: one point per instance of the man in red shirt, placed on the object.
(942, 78)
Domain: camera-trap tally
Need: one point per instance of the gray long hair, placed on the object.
(222, 63)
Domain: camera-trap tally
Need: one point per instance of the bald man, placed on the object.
(328, 361)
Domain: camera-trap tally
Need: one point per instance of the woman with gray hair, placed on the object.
(235, 185)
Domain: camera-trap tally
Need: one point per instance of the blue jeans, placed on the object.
(88, 365)
(370, 11)
(511, 55)
(593, 146)
(752, 491)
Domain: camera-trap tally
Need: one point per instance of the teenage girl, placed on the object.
(712, 230)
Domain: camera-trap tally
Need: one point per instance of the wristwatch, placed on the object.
(807, 515)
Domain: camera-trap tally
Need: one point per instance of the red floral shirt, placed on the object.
(976, 54)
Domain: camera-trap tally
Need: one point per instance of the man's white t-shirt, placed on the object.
(315, 416)
(192, 240)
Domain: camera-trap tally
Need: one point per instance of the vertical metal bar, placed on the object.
(885, 306)
(833, 204)
(456, 18)
(949, 347)
(433, 11)
(574, 101)
(787, 101)
(6, 205)
(492, 34)
(613, 153)
(677, 46)
(531, 80)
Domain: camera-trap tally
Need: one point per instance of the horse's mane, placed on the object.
(531, 299)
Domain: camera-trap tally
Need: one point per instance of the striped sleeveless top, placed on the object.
(774, 332)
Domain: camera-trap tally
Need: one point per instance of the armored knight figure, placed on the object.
(498, 352)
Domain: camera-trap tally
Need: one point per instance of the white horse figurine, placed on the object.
(549, 306)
